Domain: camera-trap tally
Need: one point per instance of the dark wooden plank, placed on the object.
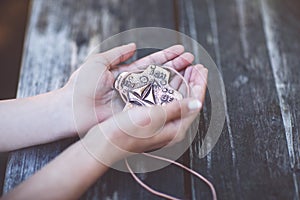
(37, 76)
(251, 159)
(59, 36)
(196, 20)
(282, 35)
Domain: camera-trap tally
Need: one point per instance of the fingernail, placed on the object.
(194, 104)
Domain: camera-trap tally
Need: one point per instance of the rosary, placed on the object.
(151, 87)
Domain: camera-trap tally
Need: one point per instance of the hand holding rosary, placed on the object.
(151, 87)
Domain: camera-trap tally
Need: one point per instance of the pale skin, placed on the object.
(71, 173)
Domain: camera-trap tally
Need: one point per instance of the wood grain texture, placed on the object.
(281, 32)
(255, 45)
(198, 20)
(252, 158)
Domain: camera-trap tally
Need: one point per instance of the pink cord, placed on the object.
(214, 195)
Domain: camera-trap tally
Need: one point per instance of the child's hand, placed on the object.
(146, 128)
(137, 130)
(83, 102)
(90, 88)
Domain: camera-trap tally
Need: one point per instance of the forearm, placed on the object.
(77, 168)
(35, 120)
(66, 177)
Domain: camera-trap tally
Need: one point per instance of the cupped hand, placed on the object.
(142, 129)
(91, 86)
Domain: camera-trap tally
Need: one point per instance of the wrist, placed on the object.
(101, 146)
(62, 99)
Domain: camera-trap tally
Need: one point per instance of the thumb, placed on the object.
(145, 122)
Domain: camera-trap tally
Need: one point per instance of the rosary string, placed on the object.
(146, 186)
(213, 191)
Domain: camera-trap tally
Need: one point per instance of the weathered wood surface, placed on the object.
(256, 46)
(256, 156)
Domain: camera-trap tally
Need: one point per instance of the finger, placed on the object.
(117, 55)
(159, 57)
(199, 75)
(197, 78)
(145, 122)
(176, 131)
(185, 124)
(198, 82)
(189, 109)
(183, 88)
(178, 84)
(181, 62)
(179, 109)
(188, 73)
(173, 132)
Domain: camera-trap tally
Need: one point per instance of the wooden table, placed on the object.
(256, 46)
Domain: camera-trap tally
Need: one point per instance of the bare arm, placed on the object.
(70, 174)
(48, 117)
(66, 177)
(73, 171)
(35, 120)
